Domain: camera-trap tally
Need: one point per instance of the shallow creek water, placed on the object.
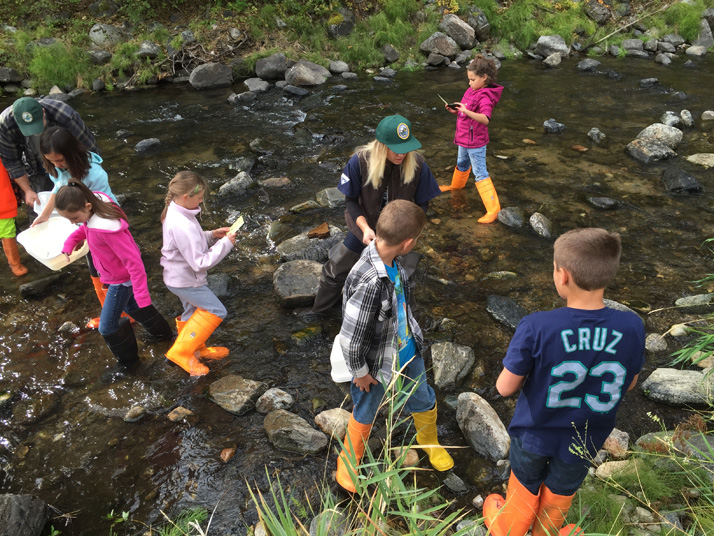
(72, 448)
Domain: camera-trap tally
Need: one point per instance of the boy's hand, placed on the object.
(220, 232)
(364, 382)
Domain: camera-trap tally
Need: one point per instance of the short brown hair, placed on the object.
(481, 66)
(400, 220)
(591, 256)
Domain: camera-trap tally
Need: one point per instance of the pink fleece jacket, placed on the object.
(115, 254)
(186, 255)
(469, 132)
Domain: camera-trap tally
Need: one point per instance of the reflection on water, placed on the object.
(62, 434)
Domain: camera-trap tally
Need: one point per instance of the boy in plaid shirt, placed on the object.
(379, 335)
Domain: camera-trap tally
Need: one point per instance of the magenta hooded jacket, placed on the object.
(470, 133)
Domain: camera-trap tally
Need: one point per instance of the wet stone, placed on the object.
(39, 288)
(35, 407)
(321, 231)
(541, 225)
(648, 82)
(5, 397)
(498, 276)
(134, 414)
(276, 182)
(349, 76)
(656, 343)
(273, 399)
(512, 217)
(68, 328)
(330, 197)
(22, 515)
(333, 422)
(451, 363)
(311, 249)
(236, 394)
(678, 181)
(670, 136)
(304, 207)
(649, 150)
(150, 144)
(505, 310)
(687, 119)
(605, 203)
(296, 283)
(290, 432)
(671, 119)
(706, 160)
(295, 91)
(595, 135)
(246, 96)
(306, 335)
(588, 65)
(662, 59)
(551, 126)
(237, 186)
(482, 427)
(179, 414)
(454, 484)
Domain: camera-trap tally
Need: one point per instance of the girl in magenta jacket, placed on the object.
(473, 114)
(117, 259)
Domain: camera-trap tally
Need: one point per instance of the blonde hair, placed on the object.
(591, 256)
(376, 155)
(185, 182)
(400, 220)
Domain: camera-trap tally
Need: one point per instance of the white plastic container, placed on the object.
(44, 242)
(40, 205)
(339, 371)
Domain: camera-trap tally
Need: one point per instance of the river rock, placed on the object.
(312, 249)
(305, 206)
(330, 197)
(350, 76)
(440, 43)
(616, 444)
(273, 399)
(103, 8)
(276, 182)
(148, 50)
(290, 432)
(588, 65)
(648, 150)
(551, 126)
(451, 363)
(541, 225)
(98, 84)
(600, 13)
(106, 35)
(435, 60)
(272, 68)
(617, 306)
(236, 394)
(8, 75)
(663, 59)
(687, 119)
(333, 422)
(22, 515)
(696, 51)
(482, 427)
(471, 527)
(390, 53)
(223, 285)
(237, 186)
(668, 48)
(607, 469)
(211, 75)
(705, 39)
(454, 484)
(388, 72)
(595, 135)
(505, 310)
(338, 67)
(648, 82)
(613, 50)
(678, 387)
(341, 25)
(699, 303)
(605, 203)
(306, 73)
(463, 34)
(296, 283)
(40, 287)
(705, 160)
(512, 217)
(551, 44)
(256, 85)
(633, 44)
(633, 53)
(135, 413)
(553, 60)
(179, 413)
(673, 39)
(36, 406)
(678, 181)
(651, 45)
(671, 119)
(330, 522)
(295, 91)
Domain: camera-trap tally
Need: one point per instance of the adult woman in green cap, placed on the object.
(385, 169)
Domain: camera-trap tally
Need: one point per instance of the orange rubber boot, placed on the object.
(347, 464)
(552, 510)
(513, 515)
(458, 181)
(9, 245)
(213, 353)
(490, 200)
(194, 334)
(101, 294)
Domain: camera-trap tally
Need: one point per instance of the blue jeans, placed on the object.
(421, 399)
(532, 470)
(193, 298)
(474, 159)
(119, 298)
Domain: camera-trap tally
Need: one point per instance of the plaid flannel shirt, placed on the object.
(14, 146)
(369, 319)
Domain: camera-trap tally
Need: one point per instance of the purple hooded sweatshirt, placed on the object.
(470, 133)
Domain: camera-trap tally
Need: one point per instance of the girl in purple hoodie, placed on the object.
(118, 261)
(473, 115)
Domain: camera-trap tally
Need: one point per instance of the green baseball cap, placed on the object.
(29, 116)
(395, 132)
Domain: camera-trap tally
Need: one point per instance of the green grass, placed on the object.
(685, 16)
(60, 65)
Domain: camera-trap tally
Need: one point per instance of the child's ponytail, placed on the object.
(185, 182)
(74, 196)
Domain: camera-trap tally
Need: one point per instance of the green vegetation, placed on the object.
(60, 65)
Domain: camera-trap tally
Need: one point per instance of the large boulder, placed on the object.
(306, 73)
(705, 38)
(312, 249)
(458, 30)
(296, 283)
(440, 43)
(670, 136)
(236, 186)
(22, 515)
(476, 18)
(451, 363)
(106, 35)
(341, 23)
(272, 68)
(291, 432)
(598, 12)
(679, 387)
(482, 427)
(211, 75)
(551, 44)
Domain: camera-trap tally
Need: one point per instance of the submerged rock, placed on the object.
(296, 283)
(595, 135)
(238, 185)
(605, 203)
(482, 427)
(541, 225)
(451, 362)
(291, 432)
(551, 126)
(330, 197)
(512, 217)
(236, 394)
(149, 144)
(648, 150)
(273, 399)
(22, 515)
(311, 249)
(678, 181)
(505, 310)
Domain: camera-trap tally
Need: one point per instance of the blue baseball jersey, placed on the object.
(579, 365)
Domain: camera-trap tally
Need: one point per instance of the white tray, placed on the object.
(45, 240)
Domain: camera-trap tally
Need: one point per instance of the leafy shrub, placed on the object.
(58, 64)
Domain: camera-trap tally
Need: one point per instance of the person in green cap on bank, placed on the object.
(381, 171)
(20, 127)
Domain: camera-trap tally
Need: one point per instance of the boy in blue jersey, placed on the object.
(379, 335)
(574, 365)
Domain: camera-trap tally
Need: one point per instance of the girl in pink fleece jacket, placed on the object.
(117, 259)
(186, 256)
(473, 114)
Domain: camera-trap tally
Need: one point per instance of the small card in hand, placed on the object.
(448, 104)
(237, 225)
